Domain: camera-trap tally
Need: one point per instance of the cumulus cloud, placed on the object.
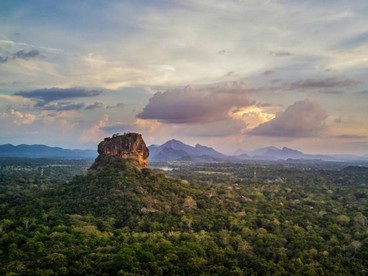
(192, 105)
(302, 119)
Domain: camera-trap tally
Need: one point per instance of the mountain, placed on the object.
(43, 151)
(171, 154)
(263, 151)
(284, 153)
(175, 150)
(274, 153)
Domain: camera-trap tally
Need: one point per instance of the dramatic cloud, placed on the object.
(191, 105)
(301, 119)
(310, 84)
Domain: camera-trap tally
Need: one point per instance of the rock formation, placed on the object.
(129, 146)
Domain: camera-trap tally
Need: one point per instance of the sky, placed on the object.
(231, 74)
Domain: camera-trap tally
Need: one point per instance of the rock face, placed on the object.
(129, 146)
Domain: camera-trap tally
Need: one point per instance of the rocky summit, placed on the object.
(130, 147)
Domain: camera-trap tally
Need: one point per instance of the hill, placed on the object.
(43, 151)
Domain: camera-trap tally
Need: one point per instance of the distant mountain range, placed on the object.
(174, 150)
(273, 153)
(42, 151)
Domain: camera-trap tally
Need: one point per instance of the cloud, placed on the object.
(51, 98)
(363, 92)
(118, 105)
(3, 59)
(223, 128)
(54, 94)
(95, 132)
(356, 40)
(16, 99)
(192, 105)
(26, 55)
(94, 106)
(310, 84)
(301, 119)
(18, 117)
(62, 106)
(280, 53)
(349, 136)
(268, 72)
(22, 54)
(333, 92)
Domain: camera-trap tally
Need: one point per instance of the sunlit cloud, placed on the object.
(18, 118)
(302, 119)
(195, 105)
(252, 116)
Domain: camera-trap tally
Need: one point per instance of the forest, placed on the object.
(219, 218)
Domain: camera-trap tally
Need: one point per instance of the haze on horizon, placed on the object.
(227, 74)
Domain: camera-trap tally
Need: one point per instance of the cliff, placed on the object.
(130, 147)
